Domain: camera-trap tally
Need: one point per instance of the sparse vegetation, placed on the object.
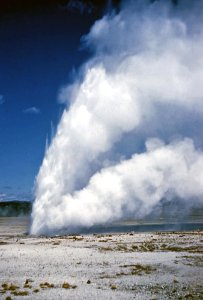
(178, 292)
(46, 285)
(108, 275)
(2, 291)
(13, 287)
(121, 274)
(192, 260)
(3, 243)
(104, 275)
(9, 287)
(56, 243)
(139, 269)
(5, 285)
(191, 249)
(67, 285)
(167, 242)
(106, 249)
(76, 238)
(20, 293)
(113, 286)
(28, 281)
(27, 286)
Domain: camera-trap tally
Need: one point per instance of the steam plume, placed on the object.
(148, 62)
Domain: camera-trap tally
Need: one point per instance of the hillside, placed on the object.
(15, 208)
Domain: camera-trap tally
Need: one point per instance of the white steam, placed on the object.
(144, 57)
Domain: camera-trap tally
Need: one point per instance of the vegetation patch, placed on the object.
(103, 241)
(121, 274)
(3, 243)
(122, 248)
(154, 245)
(28, 281)
(5, 286)
(67, 285)
(9, 287)
(139, 269)
(56, 243)
(20, 293)
(177, 292)
(106, 249)
(191, 249)
(106, 276)
(189, 260)
(149, 246)
(113, 286)
(76, 238)
(46, 285)
(27, 286)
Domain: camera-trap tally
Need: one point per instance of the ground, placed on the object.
(158, 265)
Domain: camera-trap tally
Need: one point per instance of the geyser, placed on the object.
(147, 67)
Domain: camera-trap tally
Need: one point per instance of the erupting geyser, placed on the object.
(145, 80)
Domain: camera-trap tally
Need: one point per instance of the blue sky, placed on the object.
(40, 46)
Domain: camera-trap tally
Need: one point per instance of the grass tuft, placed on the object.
(45, 285)
(67, 285)
(9, 287)
(113, 286)
(27, 286)
(20, 293)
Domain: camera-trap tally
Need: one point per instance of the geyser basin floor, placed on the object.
(102, 266)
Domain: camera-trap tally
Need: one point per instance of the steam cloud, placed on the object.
(144, 81)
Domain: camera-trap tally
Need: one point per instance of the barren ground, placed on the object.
(164, 265)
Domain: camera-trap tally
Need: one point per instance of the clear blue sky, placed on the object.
(39, 47)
